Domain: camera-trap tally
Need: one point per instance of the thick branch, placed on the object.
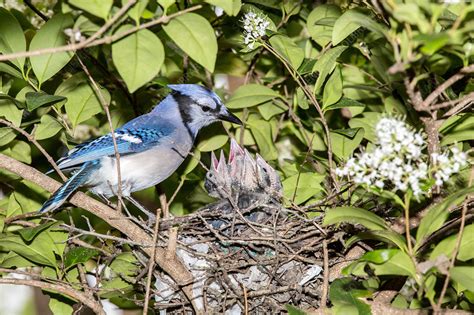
(172, 267)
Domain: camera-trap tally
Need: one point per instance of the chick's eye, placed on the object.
(205, 108)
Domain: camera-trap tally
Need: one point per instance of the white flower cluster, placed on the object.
(445, 164)
(398, 160)
(255, 25)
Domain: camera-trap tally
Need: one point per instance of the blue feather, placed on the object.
(76, 180)
(128, 141)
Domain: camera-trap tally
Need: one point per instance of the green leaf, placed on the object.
(47, 128)
(321, 21)
(166, 4)
(333, 88)
(326, 64)
(12, 38)
(50, 35)
(379, 256)
(193, 161)
(344, 294)
(28, 234)
(305, 184)
(19, 150)
(262, 133)
(270, 109)
(350, 21)
(14, 207)
(399, 264)
(59, 307)
(386, 236)
(41, 250)
(457, 128)
(9, 110)
(6, 135)
(438, 214)
(5, 68)
(213, 143)
(355, 216)
(231, 7)
(446, 246)
(288, 50)
(138, 57)
(13, 260)
(368, 122)
(82, 102)
(464, 275)
(292, 310)
(342, 145)
(195, 36)
(36, 99)
(78, 255)
(251, 95)
(432, 42)
(100, 8)
(137, 10)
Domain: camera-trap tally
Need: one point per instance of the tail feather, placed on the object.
(76, 180)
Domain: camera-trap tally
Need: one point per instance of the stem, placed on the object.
(406, 207)
(304, 86)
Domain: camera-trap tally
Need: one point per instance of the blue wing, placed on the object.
(129, 140)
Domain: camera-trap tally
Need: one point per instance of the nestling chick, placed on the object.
(242, 178)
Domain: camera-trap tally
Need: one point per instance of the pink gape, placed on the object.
(241, 175)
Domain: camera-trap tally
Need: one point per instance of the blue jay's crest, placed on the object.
(151, 146)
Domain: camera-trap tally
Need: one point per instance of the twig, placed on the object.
(446, 84)
(451, 103)
(39, 146)
(93, 41)
(151, 262)
(463, 103)
(456, 248)
(302, 83)
(35, 10)
(105, 105)
(324, 294)
(63, 289)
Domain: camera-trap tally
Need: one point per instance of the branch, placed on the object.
(95, 306)
(446, 84)
(173, 267)
(32, 139)
(93, 41)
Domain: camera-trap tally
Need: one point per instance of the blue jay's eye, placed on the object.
(205, 108)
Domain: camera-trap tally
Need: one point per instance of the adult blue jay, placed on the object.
(151, 146)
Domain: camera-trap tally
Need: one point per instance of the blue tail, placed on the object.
(76, 180)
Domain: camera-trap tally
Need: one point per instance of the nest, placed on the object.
(245, 252)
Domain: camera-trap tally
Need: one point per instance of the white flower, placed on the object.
(255, 26)
(398, 161)
(447, 164)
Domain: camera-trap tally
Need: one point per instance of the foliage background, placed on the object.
(309, 93)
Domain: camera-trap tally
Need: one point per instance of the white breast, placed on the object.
(140, 170)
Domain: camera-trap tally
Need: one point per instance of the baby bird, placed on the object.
(242, 178)
(151, 146)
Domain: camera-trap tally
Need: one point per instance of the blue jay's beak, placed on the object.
(228, 116)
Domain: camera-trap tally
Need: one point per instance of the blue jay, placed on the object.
(151, 146)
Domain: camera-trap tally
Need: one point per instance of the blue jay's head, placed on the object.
(200, 106)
